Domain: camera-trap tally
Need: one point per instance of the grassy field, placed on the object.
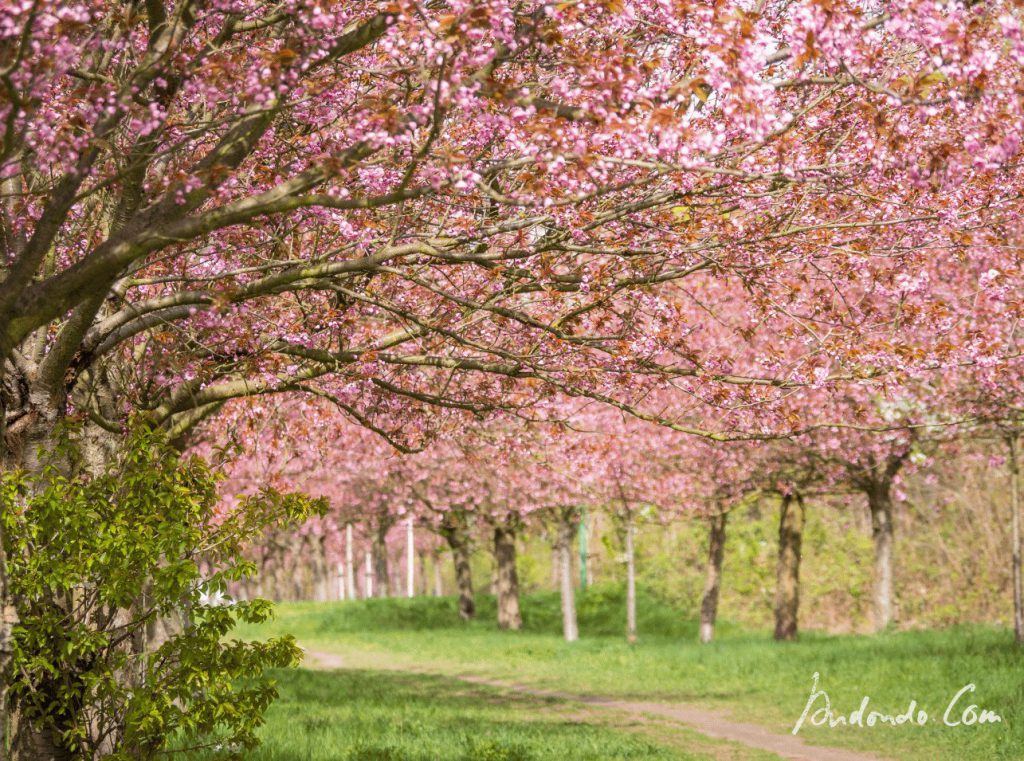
(744, 673)
(367, 715)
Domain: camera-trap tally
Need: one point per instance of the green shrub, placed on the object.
(96, 565)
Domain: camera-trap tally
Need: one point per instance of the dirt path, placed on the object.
(707, 722)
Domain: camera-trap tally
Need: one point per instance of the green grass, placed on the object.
(360, 715)
(744, 673)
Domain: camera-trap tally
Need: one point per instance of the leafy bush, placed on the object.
(97, 567)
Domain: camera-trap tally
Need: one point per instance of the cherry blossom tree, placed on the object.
(475, 204)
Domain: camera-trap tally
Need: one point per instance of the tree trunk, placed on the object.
(8, 614)
(421, 582)
(32, 744)
(20, 446)
(397, 580)
(630, 580)
(1018, 603)
(277, 575)
(323, 571)
(556, 561)
(315, 556)
(32, 419)
(380, 562)
(464, 580)
(29, 445)
(350, 567)
(455, 530)
(299, 571)
(507, 586)
(566, 533)
(787, 586)
(584, 553)
(8, 620)
(880, 503)
(713, 577)
(435, 559)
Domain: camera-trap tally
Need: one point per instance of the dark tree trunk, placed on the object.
(321, 573)
(380, 563)
(456, 532)
(302, 569)
(14, 407)
(787, 586)
(29, 445)
(396, 577)
(464, 580)
(880, 503)
(507, 586)
(435, 560)
(31, 744)
(713, 576)
(421, 581)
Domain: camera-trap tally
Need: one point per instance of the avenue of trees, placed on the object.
(627, 252)
(481, 487)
